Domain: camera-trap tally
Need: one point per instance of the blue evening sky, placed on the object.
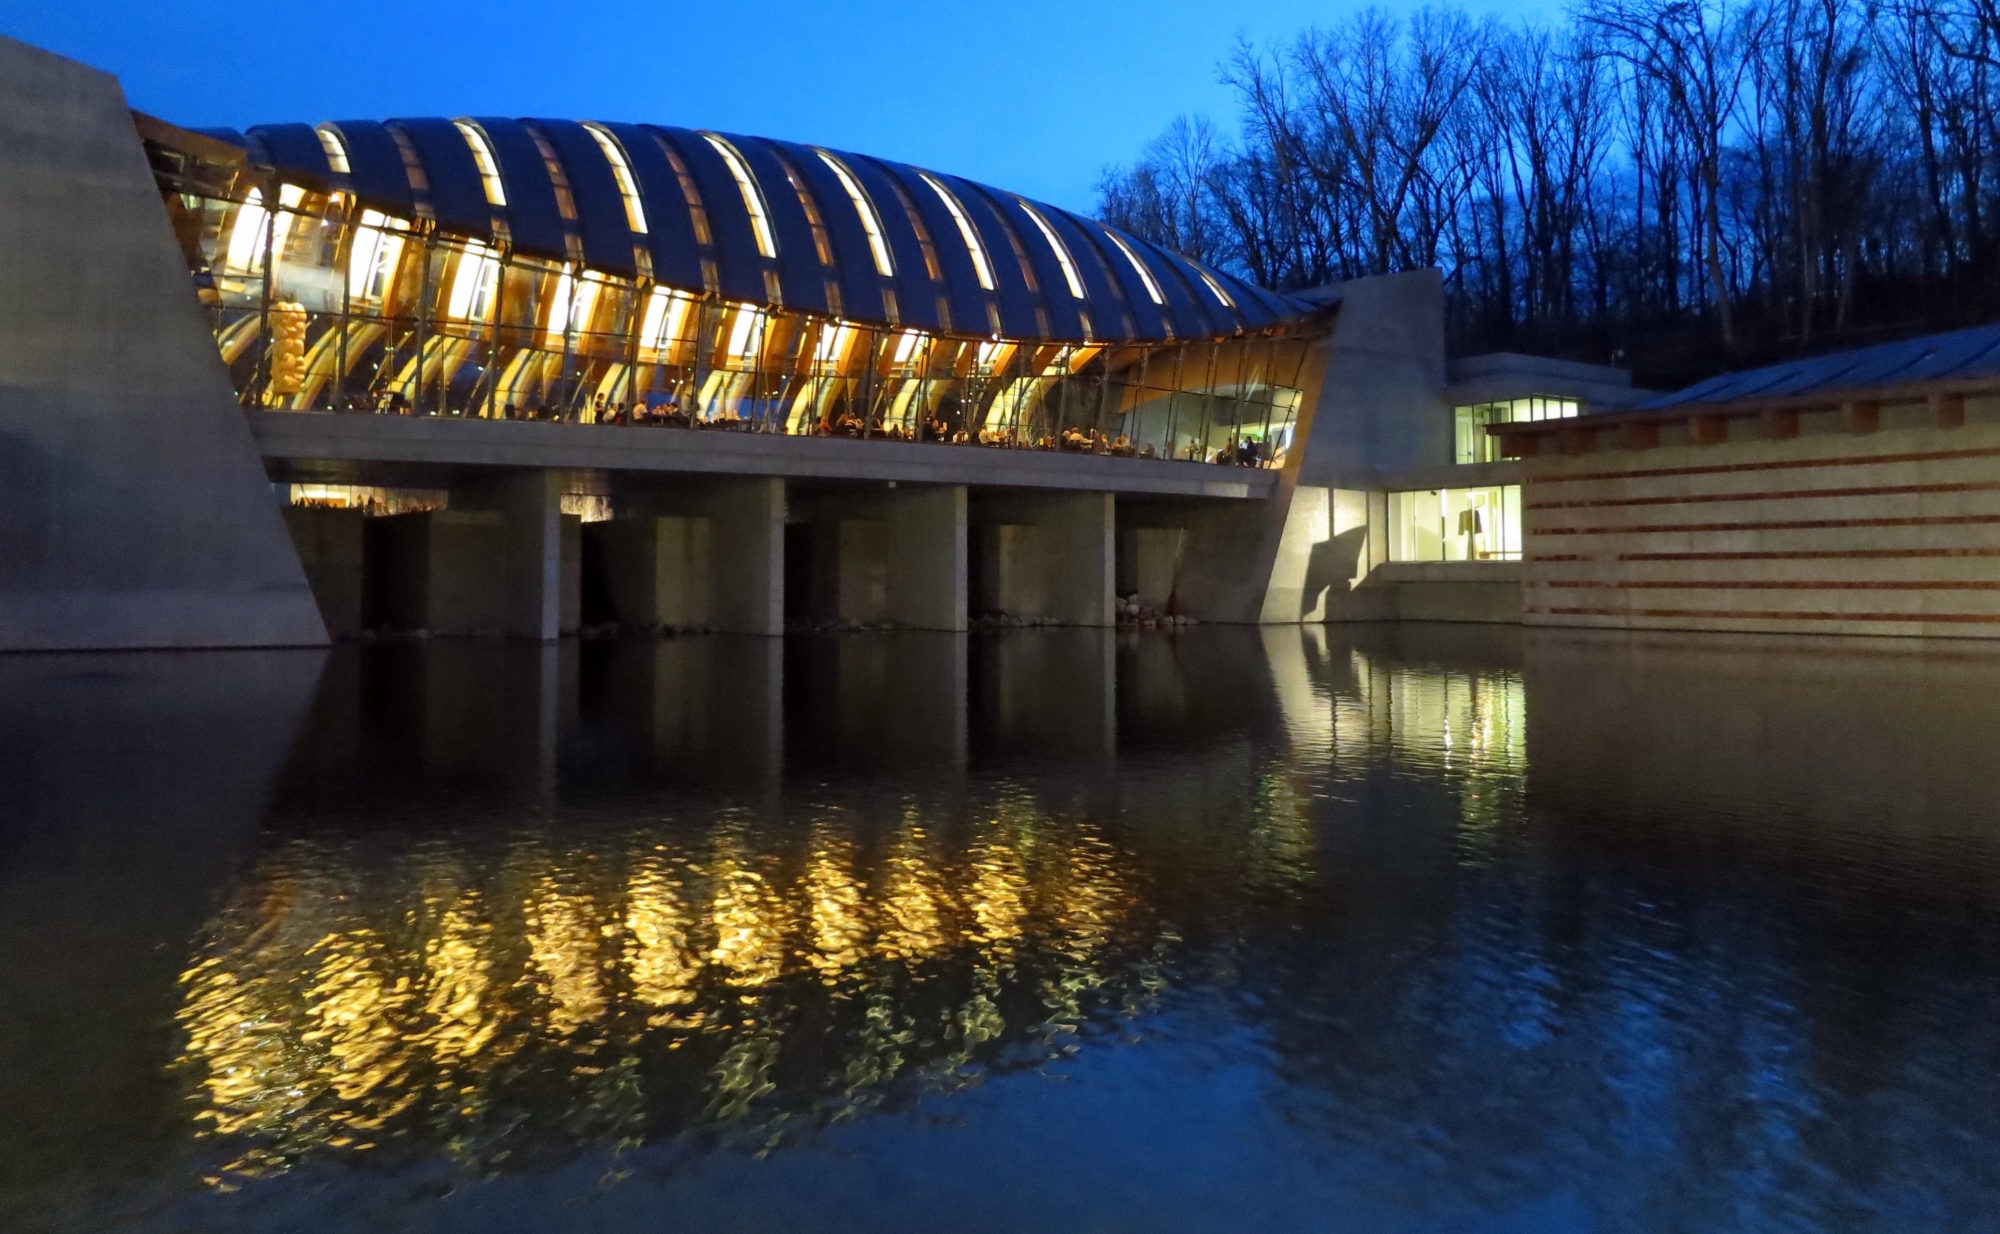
(1036, 96)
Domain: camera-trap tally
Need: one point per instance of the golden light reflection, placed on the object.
(659, 950)
(373, 991)
(839, 928)
(563, 944)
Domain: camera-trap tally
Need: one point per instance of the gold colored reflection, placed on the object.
(563, 943)
(659, 950)
(914, 924)
(838, 927)
(486, 997)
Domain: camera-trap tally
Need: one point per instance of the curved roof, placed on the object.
(779, 224)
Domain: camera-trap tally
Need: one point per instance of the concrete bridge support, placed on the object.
(1051, 557)
(897, 557)
(503, 559)
(654, 570)
(709, 554)
(536, 569)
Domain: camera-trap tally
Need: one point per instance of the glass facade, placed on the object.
(1474, 444)
(320, 302)
(1456, 524)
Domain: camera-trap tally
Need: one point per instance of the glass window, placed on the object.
(570, 307)
(832, 346)
(473, 285)
(660, 330)
(1475, 445)
(753, 199)
(336, 150)
(980, 264)
(621, 171)
(821, 245)
(482, 157)
(246, 237)
(871, 222)
(1145, 275)
(1456, 524)
(746, 333)
(1215, 287)
(1061, 249)
(378, 249)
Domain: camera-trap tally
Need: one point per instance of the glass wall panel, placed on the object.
(1475, 445)
(1456, 524)
(321, 304)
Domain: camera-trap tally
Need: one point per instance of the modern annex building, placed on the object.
(498, 375)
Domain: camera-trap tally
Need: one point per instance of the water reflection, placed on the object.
(1460, 928)
(365, 989)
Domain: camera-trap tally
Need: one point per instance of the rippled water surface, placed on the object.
(1422, 929)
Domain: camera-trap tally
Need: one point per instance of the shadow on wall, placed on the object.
(1332, 561)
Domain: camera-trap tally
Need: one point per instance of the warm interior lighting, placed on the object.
(472, 287)
(246, 237)
(832, 345)
(569, 308)
(482, 157)
(1145, 275)
(336, 150)
(378, 249)
(746, 333)
(666, 313)
(906, 345)
(979, 262)
(753, 199)
(621, 171)
(1062, 250)
(871, 222)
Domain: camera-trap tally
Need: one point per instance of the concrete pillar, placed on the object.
(715, 555)
(656, 570)
(442, 571)
(888, 555)
(529, 550)
(926, 557)
(746, 521)
(329, 544)
(1050, 556)
(1149, 563)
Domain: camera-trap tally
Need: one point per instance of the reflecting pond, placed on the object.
(1418, 928)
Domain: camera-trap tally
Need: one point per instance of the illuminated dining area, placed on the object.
(639, 277)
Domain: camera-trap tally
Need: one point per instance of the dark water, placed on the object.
(1430, 929)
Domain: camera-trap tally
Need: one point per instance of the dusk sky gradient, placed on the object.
(1036, 96)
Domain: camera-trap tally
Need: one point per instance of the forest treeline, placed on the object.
(1682, 186)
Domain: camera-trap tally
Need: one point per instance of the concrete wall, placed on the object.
(134, 510)
(1049, 557)
(1381, 406)
(896, 556)
(746, 555)
(465, 572)
(329, 544)
(1479, 592)
(655, 570)
(1894, 531)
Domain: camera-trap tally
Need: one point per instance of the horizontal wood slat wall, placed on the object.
(1893, 532)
